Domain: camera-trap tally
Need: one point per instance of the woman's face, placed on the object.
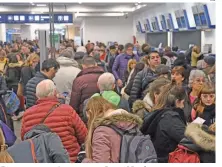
(35, 62)
(177, 77)
(198, 83)
(132, 65)
(207, 99)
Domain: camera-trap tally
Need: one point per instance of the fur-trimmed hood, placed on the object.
(120, 118)
(201, 136)
(140, 108)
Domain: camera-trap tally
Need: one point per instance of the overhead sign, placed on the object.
(34, 18)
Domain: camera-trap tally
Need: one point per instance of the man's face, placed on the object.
(52, 72)
(129, 51)
(154, 60)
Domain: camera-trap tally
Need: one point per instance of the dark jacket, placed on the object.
(31, 88)
(140, 83)
(13, 76)
(120, 65)
(138, 68)
(48, 148)
(84, 86)
(27, 73)
(111, 62)
(201, 141)
(166, 128)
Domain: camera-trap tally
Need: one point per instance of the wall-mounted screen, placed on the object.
(197, 19)
(203, 19)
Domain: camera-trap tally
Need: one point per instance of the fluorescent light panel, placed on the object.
(41, 5)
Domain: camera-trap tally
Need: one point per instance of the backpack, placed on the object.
(8, 134)
(183, 155)
(12, 102)
(135, 147)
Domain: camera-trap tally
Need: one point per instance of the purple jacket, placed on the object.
(120, 65)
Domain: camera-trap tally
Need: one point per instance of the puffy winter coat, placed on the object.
(31, 88)
(65, 76)
(120, 65)
(140, 83)
(84, 86)
(48, 148)
(105, 141)
(63, 120)
(200, 140)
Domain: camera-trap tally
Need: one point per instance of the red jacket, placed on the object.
(63, 120)
(84, 86)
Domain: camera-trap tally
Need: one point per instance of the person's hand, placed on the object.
(119, 83)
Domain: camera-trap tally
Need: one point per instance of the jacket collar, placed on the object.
(47, 99)
(91, 70)
(200, 137)
(41, 75)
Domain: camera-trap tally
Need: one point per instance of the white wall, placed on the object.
(108, 29)
(2, 32)
(208, 37)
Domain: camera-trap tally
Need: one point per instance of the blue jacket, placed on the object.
(120, 65)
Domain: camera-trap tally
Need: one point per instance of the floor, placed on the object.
(17, 127)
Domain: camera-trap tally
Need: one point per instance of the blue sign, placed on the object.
(35, 18)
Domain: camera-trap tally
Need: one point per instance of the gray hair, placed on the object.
(106, 81)
(195, 74)
(45, 88)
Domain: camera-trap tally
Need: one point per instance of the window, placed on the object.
(169, 24)
(203, 19)
(183, 22)
(179, 23)
(197, 19)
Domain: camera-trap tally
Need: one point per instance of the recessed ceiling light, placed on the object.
(80, 2)
(136, 4)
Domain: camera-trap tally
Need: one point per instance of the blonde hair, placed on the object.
(96, 109)
(31, 58)
(196, 49)
(213, 127)
(4, 155)
(130, 62)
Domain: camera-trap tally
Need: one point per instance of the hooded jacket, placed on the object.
(84, 86)
(65, 76)
(141, 108)
(63, 120)
(105, 141)
(120, 65)
(200, 140)
(166, 128)
(48, 148)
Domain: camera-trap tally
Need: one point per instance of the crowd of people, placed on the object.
(118, 103)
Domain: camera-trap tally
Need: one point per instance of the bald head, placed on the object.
(106, 82)
(46, 88)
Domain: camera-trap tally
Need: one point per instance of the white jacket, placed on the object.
(65, 75)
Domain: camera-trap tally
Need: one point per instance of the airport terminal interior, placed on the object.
(127, 82)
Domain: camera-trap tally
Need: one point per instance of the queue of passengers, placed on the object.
(111, 104)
